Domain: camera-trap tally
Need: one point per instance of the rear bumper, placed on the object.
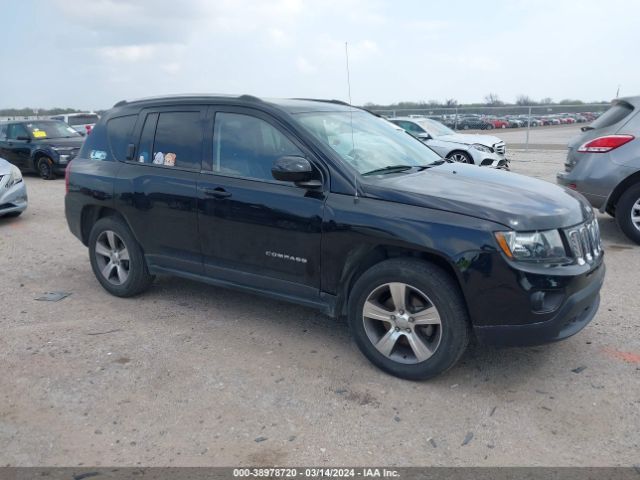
(573, 316)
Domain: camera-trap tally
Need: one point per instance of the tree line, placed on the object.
(490, 100)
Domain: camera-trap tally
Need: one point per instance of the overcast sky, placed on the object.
(90, 54)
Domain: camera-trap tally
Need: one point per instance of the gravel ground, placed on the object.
(190, 375)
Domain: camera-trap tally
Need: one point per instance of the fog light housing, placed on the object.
(546, 302)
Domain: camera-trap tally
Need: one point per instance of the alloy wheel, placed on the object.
(402, 323)
(635, 214)
(112, 257)
(458, 157)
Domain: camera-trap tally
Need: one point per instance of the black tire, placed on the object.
(44, 167)
(443, 293)
(489, 126)
(138, 277)
(624, 211)
(13, 214)
(460, 157)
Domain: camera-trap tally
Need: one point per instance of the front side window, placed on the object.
(3, 132)
(247, 146)
(366, 142)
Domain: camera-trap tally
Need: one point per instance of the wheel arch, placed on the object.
(365, 259)
(612, 201)
(91, 214)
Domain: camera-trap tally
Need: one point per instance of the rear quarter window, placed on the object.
(615, 114)
(119, 132)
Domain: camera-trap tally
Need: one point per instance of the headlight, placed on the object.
(16, 176)
(482, 148)
(546, 247)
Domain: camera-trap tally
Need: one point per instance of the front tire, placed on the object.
(460, 157)
(409, 318)
(628, 213)
(44, 166)
(117, 259)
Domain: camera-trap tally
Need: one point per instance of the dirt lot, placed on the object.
(189, 374)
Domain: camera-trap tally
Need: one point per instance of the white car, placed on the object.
(13, 192)
(80, 122)
(483, 150)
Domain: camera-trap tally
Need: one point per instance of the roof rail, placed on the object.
(337, 102)
(185, 95)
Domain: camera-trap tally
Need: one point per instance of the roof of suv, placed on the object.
(291, 105)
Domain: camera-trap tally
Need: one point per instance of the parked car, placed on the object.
(42, 146)
(473, 123)
(81, 122)
(13, 191)
(498, 122)
(603, 163)
(484, 150)
(327, 205)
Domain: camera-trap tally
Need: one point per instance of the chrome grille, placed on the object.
(585, 241)
(500, 148)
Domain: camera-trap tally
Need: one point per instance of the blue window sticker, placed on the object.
(98, 155)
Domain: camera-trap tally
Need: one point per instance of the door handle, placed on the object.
(217, 192)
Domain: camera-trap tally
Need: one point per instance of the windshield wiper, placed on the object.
(393, 168)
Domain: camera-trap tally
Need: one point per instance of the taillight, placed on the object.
(67, 172)
(605, 144)
(88, 128)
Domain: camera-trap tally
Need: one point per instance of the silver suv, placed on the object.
(603, 163)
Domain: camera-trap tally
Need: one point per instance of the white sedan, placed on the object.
(483, 150)
(13, 192)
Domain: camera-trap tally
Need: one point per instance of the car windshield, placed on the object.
(434, 128)
(51, 129)
(372, 145)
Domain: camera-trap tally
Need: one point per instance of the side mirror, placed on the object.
(424, 136)
(23, 138)
(292, 169)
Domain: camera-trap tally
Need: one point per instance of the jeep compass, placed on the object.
(326, 205)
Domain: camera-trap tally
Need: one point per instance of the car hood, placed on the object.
(469, 139)
(74, 142)
(5, 167)
(513, 200)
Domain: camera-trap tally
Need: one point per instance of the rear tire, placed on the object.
(117, 259)
(44, 166)
(424, 334)
(628, 213)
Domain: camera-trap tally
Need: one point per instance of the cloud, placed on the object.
(305, 66)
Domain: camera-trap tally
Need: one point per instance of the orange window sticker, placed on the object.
(170, 159)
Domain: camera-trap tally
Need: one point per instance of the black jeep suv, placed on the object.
(326, 205)
(42, 146)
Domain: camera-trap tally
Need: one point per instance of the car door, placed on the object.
(254, 230)
(16, 148)
(156, 188)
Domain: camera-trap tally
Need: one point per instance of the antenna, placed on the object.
(353, 142)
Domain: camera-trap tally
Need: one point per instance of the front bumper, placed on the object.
(575, 313)
(487, 159)
(13, 199)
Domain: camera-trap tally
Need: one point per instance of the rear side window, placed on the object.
(83, 119)
(178, 140)
(119, 132)
(615, 114)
